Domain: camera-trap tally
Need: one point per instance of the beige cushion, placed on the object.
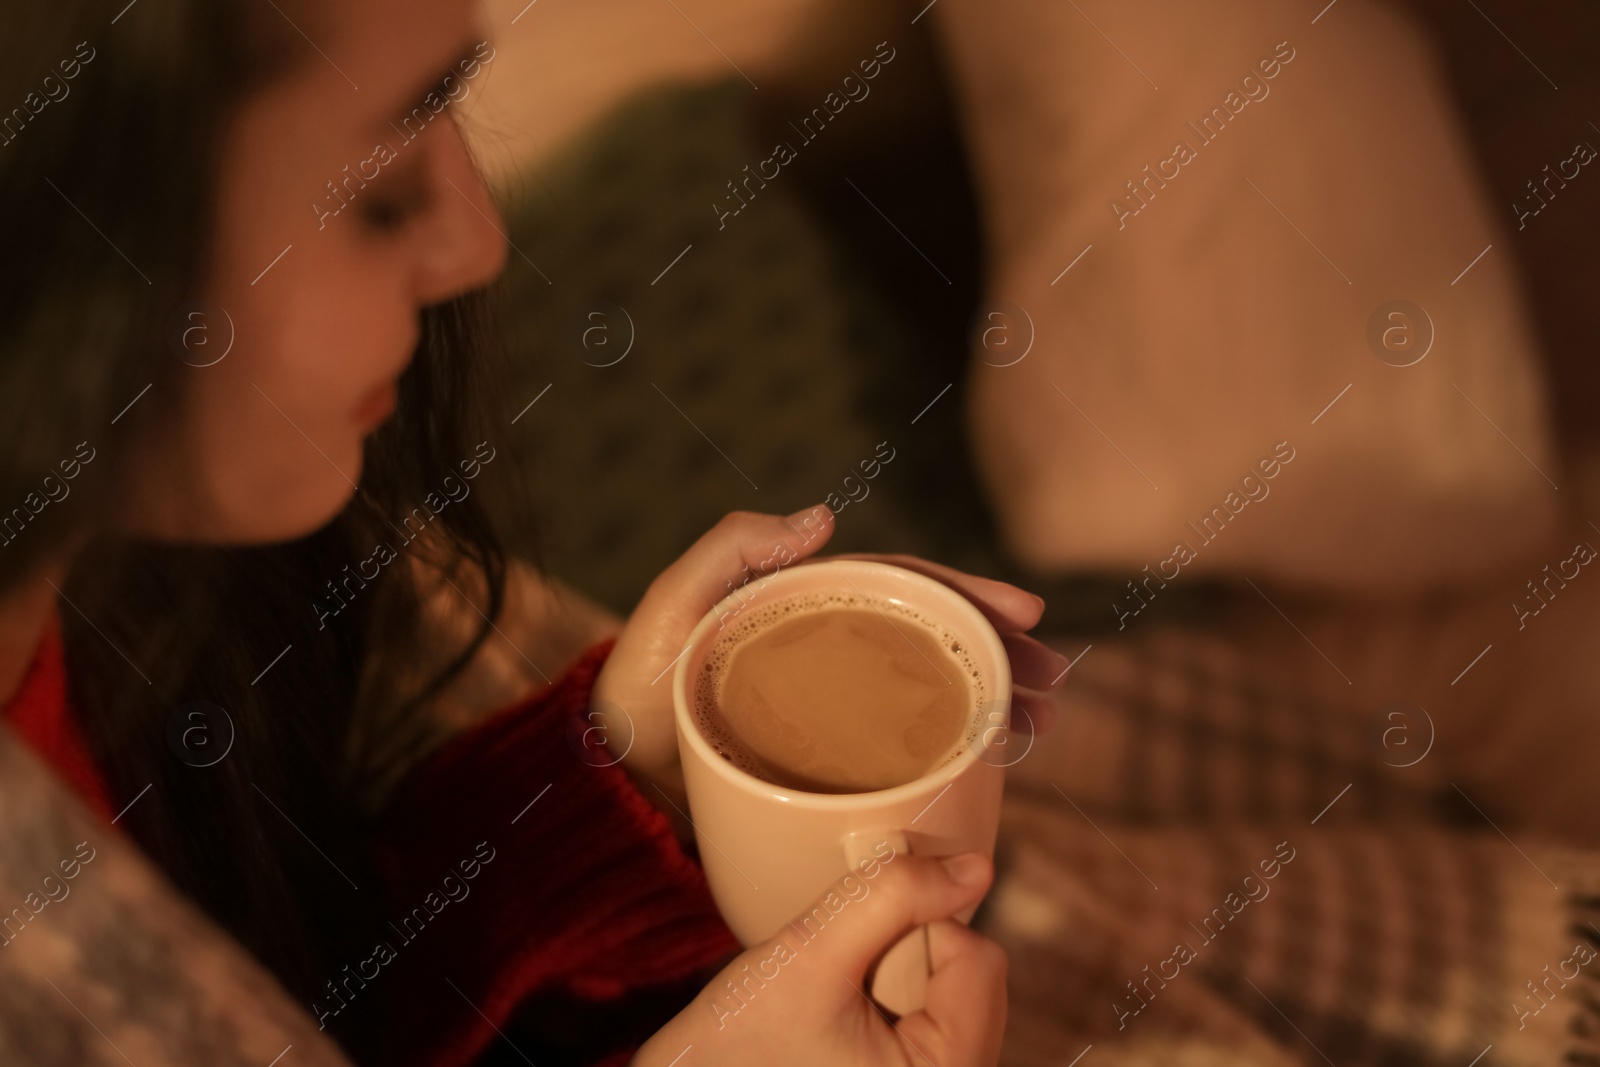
(1216, 316)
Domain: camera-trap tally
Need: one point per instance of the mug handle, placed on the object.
(900, 982)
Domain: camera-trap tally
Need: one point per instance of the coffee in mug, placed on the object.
(838, 693)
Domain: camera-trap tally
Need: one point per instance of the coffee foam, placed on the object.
(706, 687)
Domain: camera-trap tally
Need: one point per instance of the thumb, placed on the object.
(856, 921)
(964, 1017)
(744, 547)
(741, 549)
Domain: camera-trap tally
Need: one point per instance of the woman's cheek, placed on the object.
(275, 426)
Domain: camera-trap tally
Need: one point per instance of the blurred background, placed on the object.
(855, 288)
(1383, 267)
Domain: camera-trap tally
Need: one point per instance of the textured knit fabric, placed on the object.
(587, 896)
(1404, 928)
(763, 334)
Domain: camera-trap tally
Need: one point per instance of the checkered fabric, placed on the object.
(1152, 912)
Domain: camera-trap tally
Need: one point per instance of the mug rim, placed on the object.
(946, 772)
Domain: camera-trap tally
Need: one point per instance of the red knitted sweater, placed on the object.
(527, 885)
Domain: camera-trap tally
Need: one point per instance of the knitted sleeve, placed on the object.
(530, 884)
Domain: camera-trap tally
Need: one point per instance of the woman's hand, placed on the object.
(799, 999)
(634, 691)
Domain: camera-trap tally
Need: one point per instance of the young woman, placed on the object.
(287, 775)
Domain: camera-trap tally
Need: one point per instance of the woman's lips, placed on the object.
(375, 406)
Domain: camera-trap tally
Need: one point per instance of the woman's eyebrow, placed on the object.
(414, 96)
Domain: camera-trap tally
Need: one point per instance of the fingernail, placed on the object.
(968, 868)
(806, 513)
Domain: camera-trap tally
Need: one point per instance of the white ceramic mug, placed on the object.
(770, 852)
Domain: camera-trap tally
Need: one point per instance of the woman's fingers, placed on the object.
(798, 998)
(742, 548)
(865, 912)
(1032, 712)
(1004, 605)
(1033, 664)
(964, 1017)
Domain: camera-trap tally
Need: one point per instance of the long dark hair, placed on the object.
(106, 201)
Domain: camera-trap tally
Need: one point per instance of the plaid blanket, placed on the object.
(1213, 860)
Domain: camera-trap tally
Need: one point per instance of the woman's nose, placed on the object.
(462, 246)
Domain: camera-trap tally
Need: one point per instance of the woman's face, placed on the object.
(346, 204)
